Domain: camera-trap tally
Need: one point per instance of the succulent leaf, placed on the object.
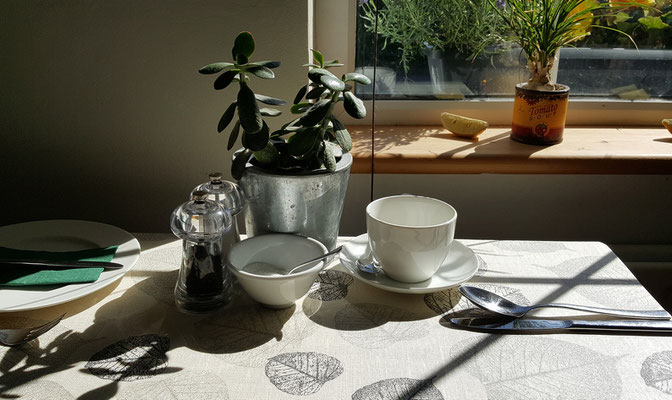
(268, 156)
(299, 108)
(315, 113)
(328, 158)
(214, 68)
(342, 135)
(316, 73)
(243, 46)
(234, 135)
(262, 72)
(226, 118)
(302, 142)
(290, 124)
(316, 93)
(239, 162)
(353, 106)
(224, 80)
(318, 57)
(333, 63)
(270, 100)
(332, 83)
(267, 64)
(256, 141)
(248, 110)
(300, 94)
(357, 77)
(270, 112)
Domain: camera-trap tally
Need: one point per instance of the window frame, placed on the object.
(334, 20)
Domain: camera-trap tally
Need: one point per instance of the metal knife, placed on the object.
(48, 264)
(551, 325)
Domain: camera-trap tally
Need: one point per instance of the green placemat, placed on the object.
(29, 276)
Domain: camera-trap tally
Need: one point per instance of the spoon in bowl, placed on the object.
(264, 268)
(499, 305)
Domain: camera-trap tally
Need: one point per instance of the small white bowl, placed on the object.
(284, 251)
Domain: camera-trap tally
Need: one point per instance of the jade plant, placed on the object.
(315, 139)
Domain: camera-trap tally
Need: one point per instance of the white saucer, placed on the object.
(460, 265)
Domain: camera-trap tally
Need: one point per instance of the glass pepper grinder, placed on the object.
(204, 284)
(231, 196)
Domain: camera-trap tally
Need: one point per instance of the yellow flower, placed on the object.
(583, 25)
(625, 3)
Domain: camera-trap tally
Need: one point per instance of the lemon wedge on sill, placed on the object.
(667, 123)
(463, 126)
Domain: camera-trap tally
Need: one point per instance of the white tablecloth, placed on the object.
(345, 339)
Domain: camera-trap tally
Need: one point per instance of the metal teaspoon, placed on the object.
(499, 305)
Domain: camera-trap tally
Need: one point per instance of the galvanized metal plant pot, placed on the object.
(308, 204)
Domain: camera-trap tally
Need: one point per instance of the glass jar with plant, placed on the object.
(541, 28)
(294, 178)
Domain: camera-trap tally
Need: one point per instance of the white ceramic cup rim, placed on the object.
(447, 222)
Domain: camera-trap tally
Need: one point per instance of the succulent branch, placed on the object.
(255, 131)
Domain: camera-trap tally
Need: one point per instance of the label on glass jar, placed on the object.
(539, 114)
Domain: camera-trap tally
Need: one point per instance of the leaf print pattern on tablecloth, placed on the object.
(399, 388)
(302, 374)
(530, 247)
(184, 385)
(609, 285)
(137, 357)
(451, 300)
(657, 371)
(375, 326)
(525, 367)
(330, 286)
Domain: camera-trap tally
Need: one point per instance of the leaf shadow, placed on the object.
(240, 326)
(114, 321)
(327, 314)
(104, 392)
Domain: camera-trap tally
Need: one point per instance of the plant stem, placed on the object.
(327, 116)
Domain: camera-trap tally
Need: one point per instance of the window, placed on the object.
(416, 77)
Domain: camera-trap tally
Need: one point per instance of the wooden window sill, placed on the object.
(434, 150)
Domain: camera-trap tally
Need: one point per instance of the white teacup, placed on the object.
(409, 235)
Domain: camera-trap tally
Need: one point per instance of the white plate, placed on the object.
(64, 235)
(460, 266)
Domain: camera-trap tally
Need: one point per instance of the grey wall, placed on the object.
(105, 118)
(103, 114)
(613, 209)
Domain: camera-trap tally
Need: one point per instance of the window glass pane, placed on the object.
(456, 49)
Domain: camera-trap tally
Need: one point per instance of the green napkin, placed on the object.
(30, 276)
